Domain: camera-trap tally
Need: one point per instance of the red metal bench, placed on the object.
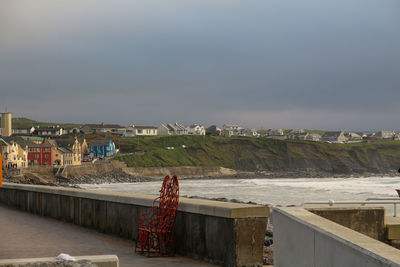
(155, 236)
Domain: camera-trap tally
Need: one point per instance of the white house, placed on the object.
(51, 130)
(145, 130)
(196, 129)
(251, 132)
(23, 130)
(168, 129)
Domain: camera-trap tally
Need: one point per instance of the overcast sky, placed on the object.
(263, 63)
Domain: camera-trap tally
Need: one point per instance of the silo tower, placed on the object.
(6, 128)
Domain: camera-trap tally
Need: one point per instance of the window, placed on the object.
(47, 149)
(139, 131)
(46, 156)
(36, 156)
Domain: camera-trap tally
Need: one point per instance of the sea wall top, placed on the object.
(197, 206)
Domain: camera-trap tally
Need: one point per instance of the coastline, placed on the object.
(121, 176)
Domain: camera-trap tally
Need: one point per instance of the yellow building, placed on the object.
(6, 124)
(69, 150)
(13, 155)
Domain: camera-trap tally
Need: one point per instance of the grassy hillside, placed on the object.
(24, 122)
(253, 154)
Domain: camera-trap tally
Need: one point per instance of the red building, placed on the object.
(40, 154)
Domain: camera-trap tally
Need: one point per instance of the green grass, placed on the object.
(251, 153)
(24, 122)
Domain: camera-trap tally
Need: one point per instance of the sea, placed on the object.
(272, 191)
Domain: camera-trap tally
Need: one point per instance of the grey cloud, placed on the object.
(152, 61)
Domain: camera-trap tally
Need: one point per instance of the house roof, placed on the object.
(64, 150)
(68, 142)
(145, 127)
(99, 143)
(332, 134)
(36, 138)
(23, 128)
(19, 140)
(102, 126)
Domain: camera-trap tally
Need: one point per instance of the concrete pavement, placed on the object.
(25, 235)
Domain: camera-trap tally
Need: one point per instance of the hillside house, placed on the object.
(233, 129)
(278, 134)
(334, 137)
(297, 134)
(385, 135)
(196, 129)
(101, 148)
(102, 129)
(250, 132)
(23, 130)
(145, 130)
(213, 130)
(353, 137)
(50, 131)
(313, 137)
(172, 129)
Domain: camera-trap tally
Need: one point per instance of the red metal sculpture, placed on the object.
(155, 235)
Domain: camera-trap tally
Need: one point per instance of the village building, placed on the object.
(313, 137)
(102, 129)
(385, 135)
(278, 134)
(13, 155)
(196, 129)
(233, 129)
(68, 151)
(101, 148)
(353, 137)
(213, 130)
(298, 134)
(50, 131)
(145, 130)
(226, 133)
(129, 131)
(23, 130)
(334, 137)
(40, 154)
(172, 129)
(33, 139)
(249, 132)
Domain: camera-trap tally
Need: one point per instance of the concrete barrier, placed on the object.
(99, 260)
(303, 239)
(369, 221)
(229, 234)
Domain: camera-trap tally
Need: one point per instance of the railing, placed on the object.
(383, 201)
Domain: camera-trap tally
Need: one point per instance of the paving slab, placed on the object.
(26, 235)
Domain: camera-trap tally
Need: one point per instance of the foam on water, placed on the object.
(272, 191)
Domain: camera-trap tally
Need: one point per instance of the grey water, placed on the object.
(272, 191)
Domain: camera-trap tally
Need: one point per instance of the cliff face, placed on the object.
(248, 154)
(330, 158)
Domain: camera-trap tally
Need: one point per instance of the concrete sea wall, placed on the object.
(228, 234)
(304, 239)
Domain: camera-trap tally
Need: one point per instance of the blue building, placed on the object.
(101, 148)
